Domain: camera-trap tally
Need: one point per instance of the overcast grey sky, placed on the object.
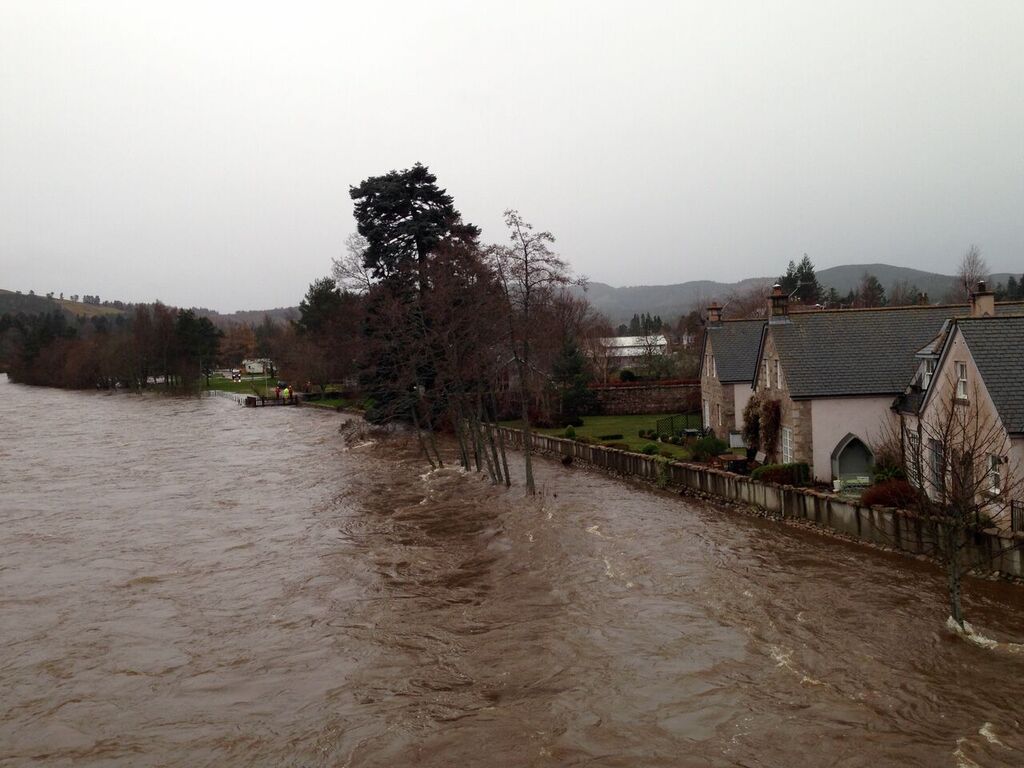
(201, 153)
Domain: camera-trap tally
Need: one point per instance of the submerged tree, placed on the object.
(530, 274)
(958, 458)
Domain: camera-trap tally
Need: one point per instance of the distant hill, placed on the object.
(846, 278)
(618, 304)
(248, 316)
(30, 304)
(670, 301)
(13, 302)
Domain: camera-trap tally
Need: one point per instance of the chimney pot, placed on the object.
(983, 301)
(714, 314)
(779, 305)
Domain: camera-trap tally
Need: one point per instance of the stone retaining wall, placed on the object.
(653, 398)
(886, 526)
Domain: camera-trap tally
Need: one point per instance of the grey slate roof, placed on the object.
(735, 344)
(997, 346)
(861, 351)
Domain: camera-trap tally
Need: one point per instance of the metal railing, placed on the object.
(674, 425)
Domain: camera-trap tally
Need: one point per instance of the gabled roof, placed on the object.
(851, 352)
(735, 343)
(997, 346)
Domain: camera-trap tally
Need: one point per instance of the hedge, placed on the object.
(797, 473)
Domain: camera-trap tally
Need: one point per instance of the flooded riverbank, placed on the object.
(185, 582)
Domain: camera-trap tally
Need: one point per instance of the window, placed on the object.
(995, 478)
(961, 381)
(913, 458)
(707, 414)
(1017, 516)
(929, 371)
(936, 464)
(719, 406)
(778, 373)
(767, 376)
(787, 445)
(714, 370)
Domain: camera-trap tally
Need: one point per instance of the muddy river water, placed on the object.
(184, 582)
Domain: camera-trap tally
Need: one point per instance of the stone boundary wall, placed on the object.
(885, 526)
(653, 398)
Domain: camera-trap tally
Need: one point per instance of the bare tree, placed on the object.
(972, 269)
(903, 293)
(349, 270)
(749, 301)
(529, 273)
(957, 456)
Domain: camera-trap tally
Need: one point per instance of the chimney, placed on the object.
(983, 301)
(714, 314)
(922, 299)
(779, 305)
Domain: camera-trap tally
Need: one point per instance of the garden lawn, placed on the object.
(627, 426)
(244, 387)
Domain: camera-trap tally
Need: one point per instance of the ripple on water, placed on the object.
(185, 582)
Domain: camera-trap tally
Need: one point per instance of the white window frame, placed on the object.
(995, 474)
(767, 376)
(936, 464)
(787, 445)
(961, 380)
(914, 459)
(714, 368)
(929, 371)
(778, 373)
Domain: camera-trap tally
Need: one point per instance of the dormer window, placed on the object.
(961, 381)
(926, 375)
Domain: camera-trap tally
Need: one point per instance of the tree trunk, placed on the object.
(531, 488)
(419, 436)
(953, 546)
(501, 443)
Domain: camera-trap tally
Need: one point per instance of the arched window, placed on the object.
(851, 458)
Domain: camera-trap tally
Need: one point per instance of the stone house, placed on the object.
(728, 361)
(967, 398)
(835, 374)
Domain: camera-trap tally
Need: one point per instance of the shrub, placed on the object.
(650, 449)
(627, 375)
(752, 423)
(675, 440)
(570, 432)
(667, 453)
(707, 447)
(890, 493)
(664, 437)
(642, 433)
(609, 437)
(886, 472)
(797, 473)
(771, 423)
(587, 440)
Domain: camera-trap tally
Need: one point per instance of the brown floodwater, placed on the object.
(184, 582)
